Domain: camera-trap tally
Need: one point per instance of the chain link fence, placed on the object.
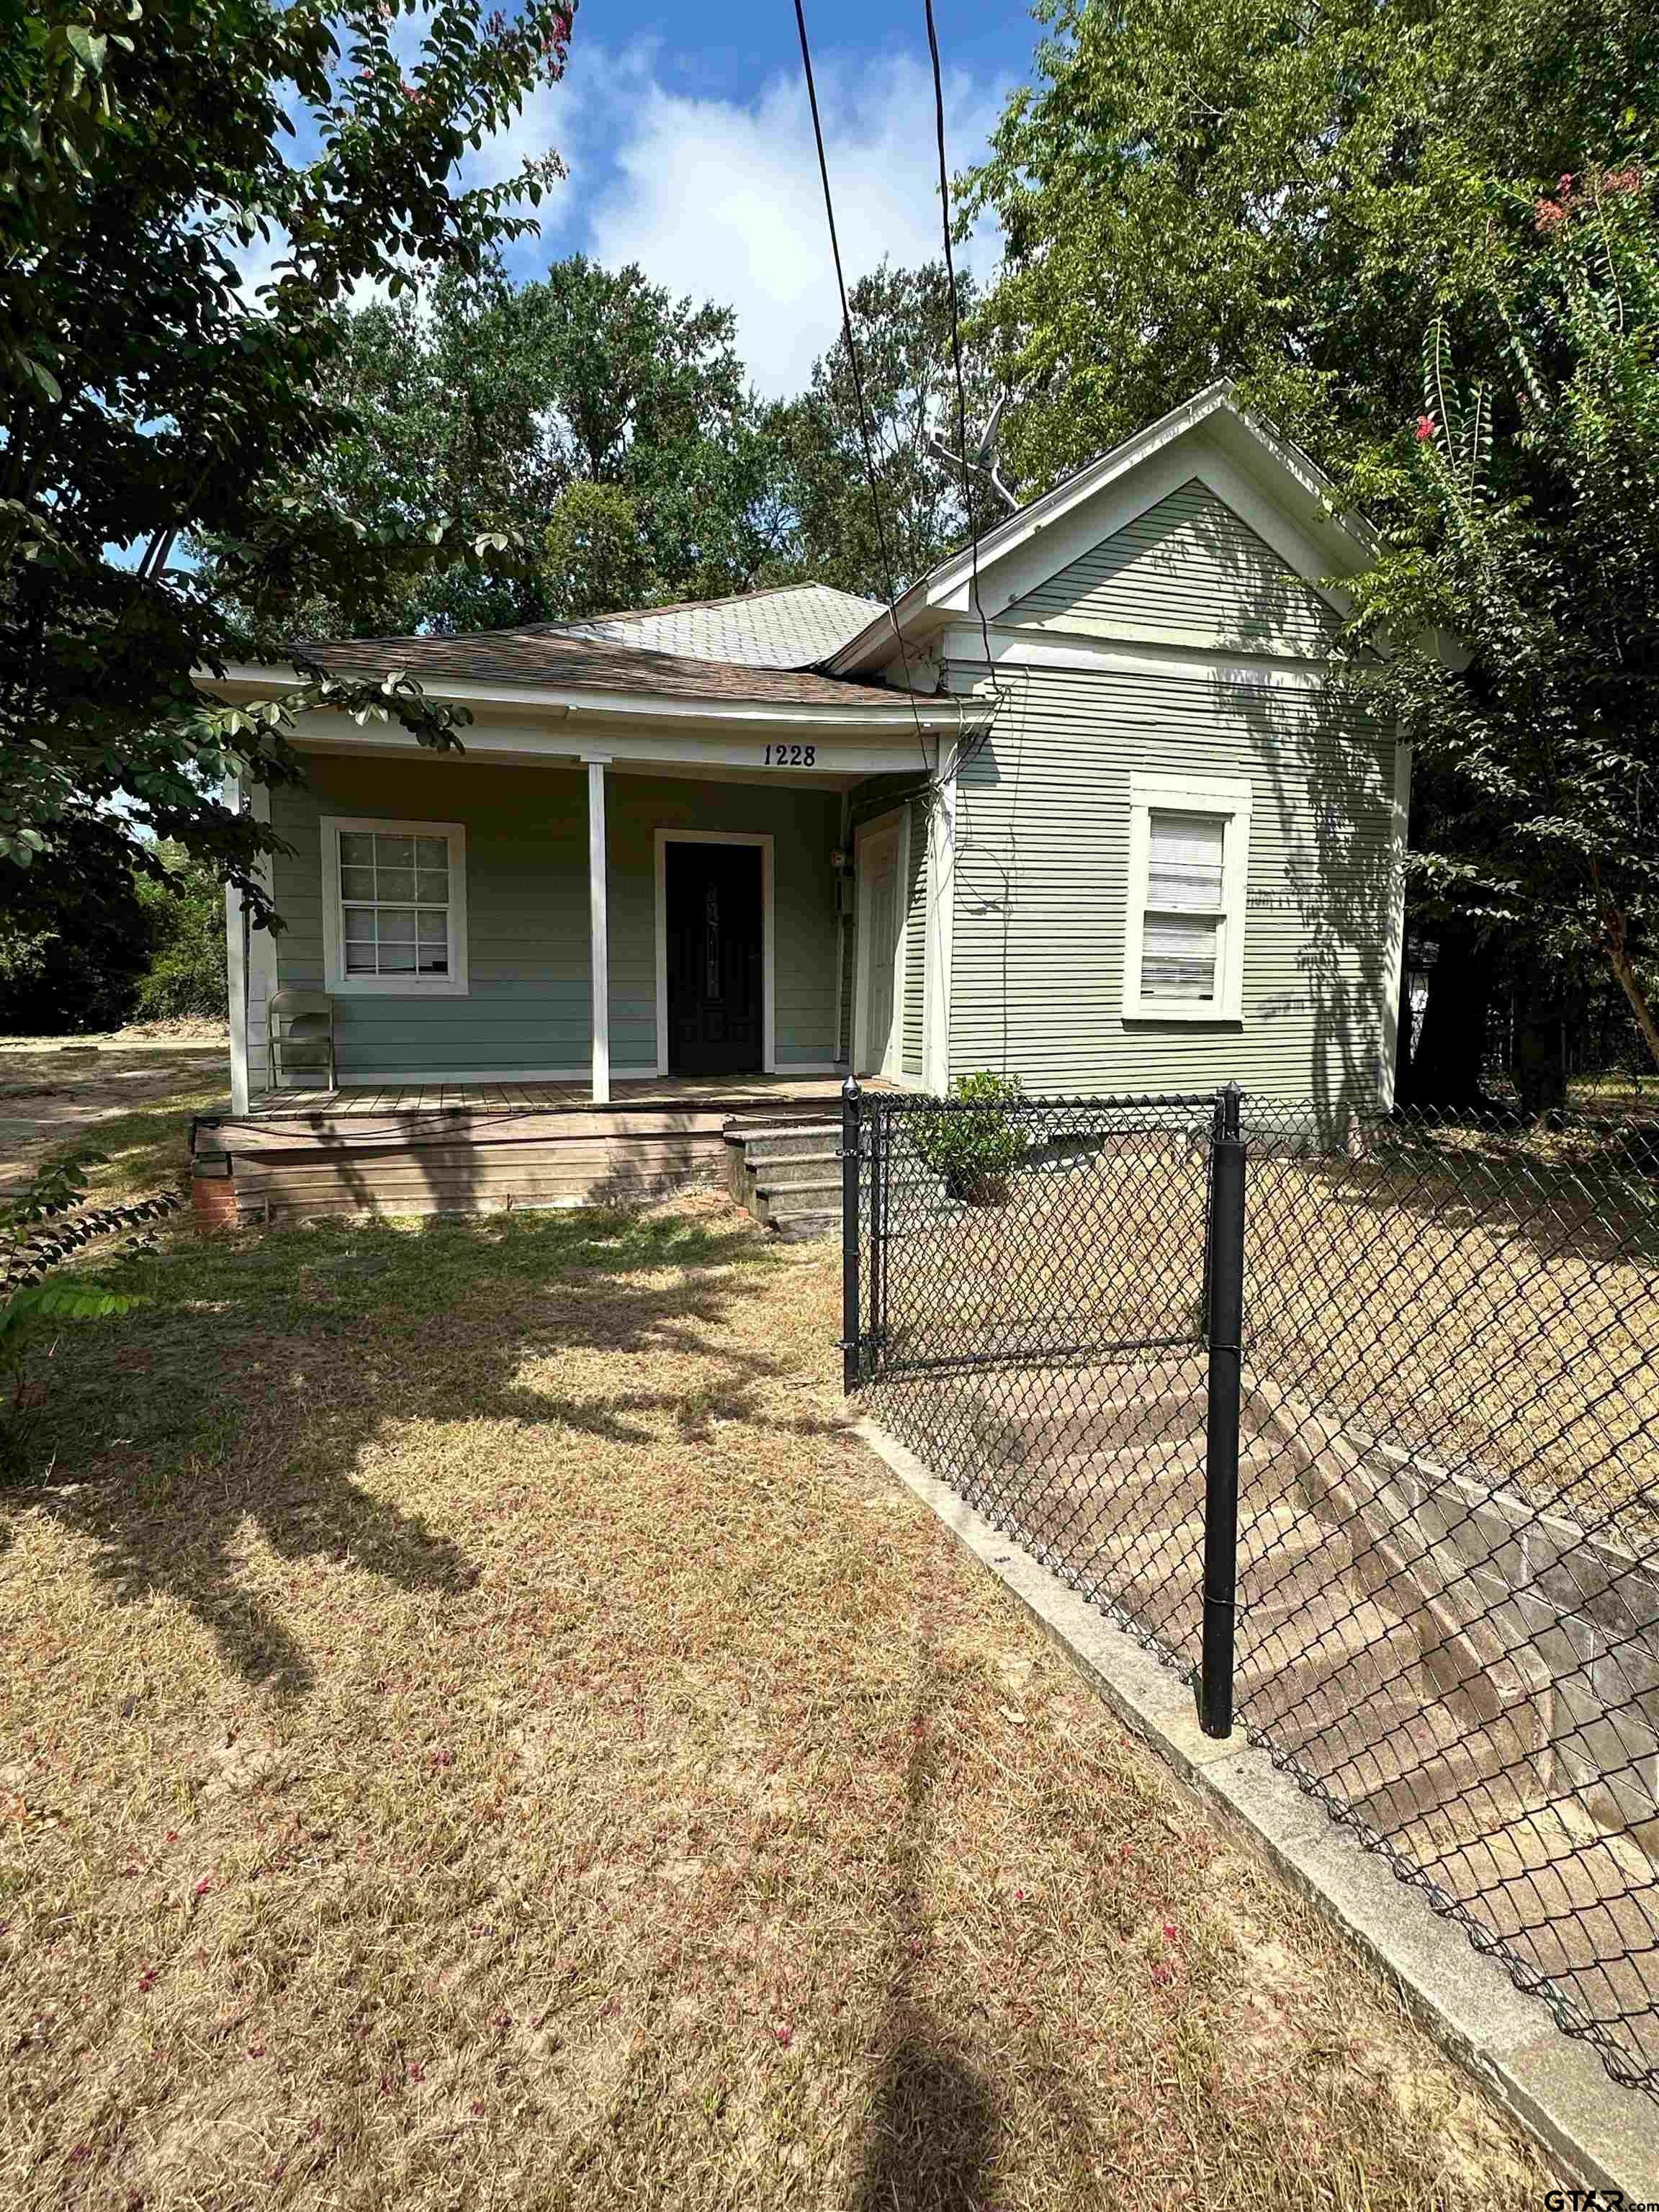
(1446, 1571)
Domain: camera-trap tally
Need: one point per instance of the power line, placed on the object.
(955, 357)
(865, 435)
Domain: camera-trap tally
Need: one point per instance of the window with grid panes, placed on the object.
(394, 903)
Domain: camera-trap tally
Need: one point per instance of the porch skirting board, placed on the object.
(439, 1164)
(455, 1160)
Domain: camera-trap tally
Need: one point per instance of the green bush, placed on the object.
(976, 1153)
(187, 919)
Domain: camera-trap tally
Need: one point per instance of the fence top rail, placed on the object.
(922, 1102)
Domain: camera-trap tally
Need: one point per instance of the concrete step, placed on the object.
(785, 1140)
(797, 1227)
(795, 1202)
(795, 1168)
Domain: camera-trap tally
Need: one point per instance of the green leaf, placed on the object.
(88, 46)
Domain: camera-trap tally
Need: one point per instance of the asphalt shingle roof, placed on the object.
(796, 626)
(547, 653)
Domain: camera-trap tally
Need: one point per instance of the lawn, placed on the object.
(478, 1731)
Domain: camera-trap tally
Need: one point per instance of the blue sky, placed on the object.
(691, 151)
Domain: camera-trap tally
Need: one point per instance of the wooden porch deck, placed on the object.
(628, 1094)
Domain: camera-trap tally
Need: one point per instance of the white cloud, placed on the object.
(722, 199)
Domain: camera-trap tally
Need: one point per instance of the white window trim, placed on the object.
(663, 840)
(1189, 794)
(336, 979)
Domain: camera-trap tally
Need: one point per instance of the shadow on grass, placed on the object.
(259, 1368)
(932, 2127)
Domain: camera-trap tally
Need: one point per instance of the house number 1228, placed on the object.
(791, 756)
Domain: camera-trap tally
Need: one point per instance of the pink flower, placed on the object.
(202, 1887)
(1169, 1933)
(1162, 1973)
(786, 2036)
(1426, 427)
(1549, 215)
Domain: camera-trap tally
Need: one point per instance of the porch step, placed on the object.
(788, 1174)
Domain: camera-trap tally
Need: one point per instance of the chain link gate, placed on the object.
(985, 1244)
(1361, 1437)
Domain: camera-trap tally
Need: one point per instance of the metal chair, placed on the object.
(299, 1034)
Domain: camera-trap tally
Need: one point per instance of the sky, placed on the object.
(690, 149)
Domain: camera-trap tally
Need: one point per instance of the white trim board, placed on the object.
(661, 840)
(896, 818)
(336, 981)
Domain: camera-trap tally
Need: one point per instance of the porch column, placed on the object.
(236, 973)
(600, 931)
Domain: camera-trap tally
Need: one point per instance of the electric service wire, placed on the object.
(983, 733)
(865, 437)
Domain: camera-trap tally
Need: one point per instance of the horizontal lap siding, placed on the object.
(1186, 568)
(528, 1000)
(914, 1061)
(526, 909)
(1041, 885)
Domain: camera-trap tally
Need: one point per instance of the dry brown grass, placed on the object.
(480, 1733)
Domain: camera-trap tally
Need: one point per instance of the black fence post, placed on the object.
(852, 1100)
(1226, 1329)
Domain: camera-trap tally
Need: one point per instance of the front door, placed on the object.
(716, 960)
(883, 916)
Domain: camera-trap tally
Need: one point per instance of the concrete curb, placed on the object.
(1603, 2137)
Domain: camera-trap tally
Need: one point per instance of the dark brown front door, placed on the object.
(716, 960)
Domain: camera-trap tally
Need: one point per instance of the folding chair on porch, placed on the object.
(299, 1034)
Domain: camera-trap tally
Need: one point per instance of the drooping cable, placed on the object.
(866, 435)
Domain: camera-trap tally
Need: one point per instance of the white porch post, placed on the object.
(600, 931)
(236, 975)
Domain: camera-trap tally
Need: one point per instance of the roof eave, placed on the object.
(559, 702)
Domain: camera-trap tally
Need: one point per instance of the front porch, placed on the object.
(439, 1147)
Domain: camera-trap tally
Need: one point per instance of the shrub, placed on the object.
(975, 1151)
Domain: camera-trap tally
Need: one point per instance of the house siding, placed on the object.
(1042, 883)
(529, 997)
(913, 1055)
(1186, 569)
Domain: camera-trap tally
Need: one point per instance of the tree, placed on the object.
(1284, 193)
(153, 400)
(75, 937)
(1289, 195)
(500, 415)
(901, 321)
(184, 914)
(1527, 529)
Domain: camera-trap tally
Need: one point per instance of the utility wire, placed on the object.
(865, 437)
(956, 358)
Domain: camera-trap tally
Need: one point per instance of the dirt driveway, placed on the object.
(127, 1098)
